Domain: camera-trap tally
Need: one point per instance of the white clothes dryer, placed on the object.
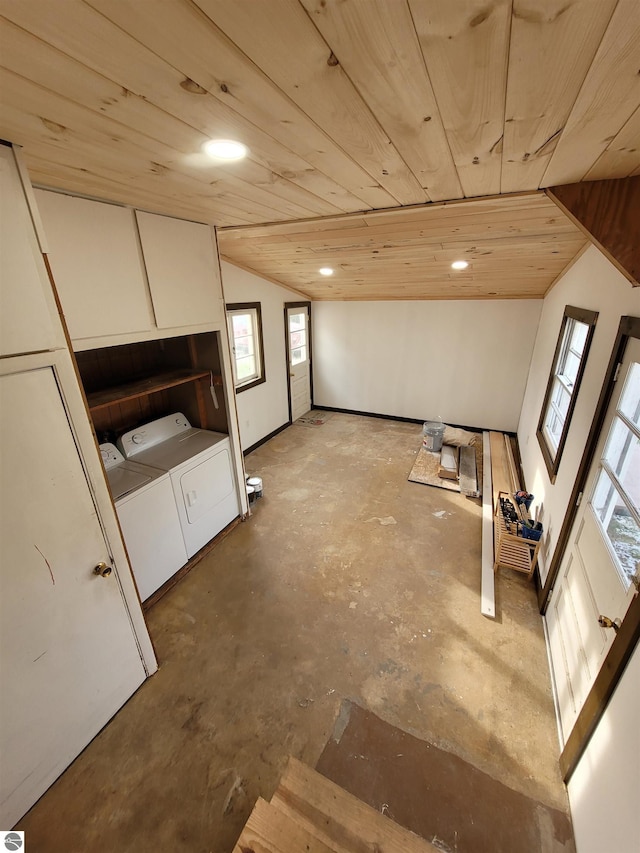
(146, 508)
(200, 466)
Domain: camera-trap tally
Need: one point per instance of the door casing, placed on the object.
(287, 306)
(627, 637)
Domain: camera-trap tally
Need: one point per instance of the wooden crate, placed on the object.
(511, 551)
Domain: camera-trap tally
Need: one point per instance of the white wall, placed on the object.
(592, 283)
(603, 791)
(265, 408)
(463, 361)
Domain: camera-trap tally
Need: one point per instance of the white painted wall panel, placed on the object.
(463, 361)
(593, 283)
(603, 791)
(262, 409)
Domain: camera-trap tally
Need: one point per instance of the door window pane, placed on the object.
(630, 400)
(616, 497)
(298, 355)
(297, 321)
(619, 526)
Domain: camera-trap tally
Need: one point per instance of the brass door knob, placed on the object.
(605, 622)
(103, 570)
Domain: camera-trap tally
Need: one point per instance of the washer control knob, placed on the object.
(137, 438)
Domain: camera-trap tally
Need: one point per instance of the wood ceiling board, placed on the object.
(559, 40)
(80, 140)
(208, 57)
(279, 38)
(78, 183)
(44, 102)
(135, 70)
(621, 158)
(65, 166)
(465, 47)
(377, 46)
(509, 258)
(609, 96)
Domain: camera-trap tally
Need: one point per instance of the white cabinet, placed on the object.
(27, 308)
(96, 264)
(125, 275)
(73, 644)
(182, 269)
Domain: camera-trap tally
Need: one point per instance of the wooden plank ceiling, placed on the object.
(516, 246)
(345, 105)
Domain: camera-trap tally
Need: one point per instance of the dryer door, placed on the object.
(206, 497)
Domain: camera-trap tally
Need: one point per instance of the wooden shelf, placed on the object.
(130, 390)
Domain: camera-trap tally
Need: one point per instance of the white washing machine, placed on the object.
(200, 466)
(143, 497)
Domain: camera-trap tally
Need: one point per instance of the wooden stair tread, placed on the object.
(271, 830)
(341, 821)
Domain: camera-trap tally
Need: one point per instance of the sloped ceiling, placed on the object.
(346, 105)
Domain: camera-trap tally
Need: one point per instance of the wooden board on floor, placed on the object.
(500, 479)
(468, 472)
(270, 830)
(487, 592)
(341, 821)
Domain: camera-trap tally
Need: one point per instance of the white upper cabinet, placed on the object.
(28, 315)
(95, 259)
(182, 269)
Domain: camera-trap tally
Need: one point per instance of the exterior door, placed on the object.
(299, 350)
(69, 658)
(598, 576)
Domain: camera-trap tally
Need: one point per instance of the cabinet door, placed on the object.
(182, 266)
(28, 316)
(95, 259)
(69, 658)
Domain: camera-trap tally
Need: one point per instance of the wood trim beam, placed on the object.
(608, 212)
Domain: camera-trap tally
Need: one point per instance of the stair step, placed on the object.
(270, 830)
(338, 819)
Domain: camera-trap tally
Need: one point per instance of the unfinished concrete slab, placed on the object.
(347, 582)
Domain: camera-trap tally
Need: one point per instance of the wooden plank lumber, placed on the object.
(468, 472)
(500, 479)
(338, 819)
(487, 592)
(270, 830)
(511, 465)
(448, 469)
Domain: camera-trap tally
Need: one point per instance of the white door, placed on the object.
(599, 572)
(69, 658)
(299, 361)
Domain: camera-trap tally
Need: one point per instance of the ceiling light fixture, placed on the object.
(326, 271)
(460, 265)
(225, 149)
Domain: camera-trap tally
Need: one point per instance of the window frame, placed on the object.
(254, 308)
(553, 457)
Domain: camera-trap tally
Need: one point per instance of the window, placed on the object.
(245, 337)
(562, 389)
(616, 496)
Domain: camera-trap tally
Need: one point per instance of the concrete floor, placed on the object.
(348, 581)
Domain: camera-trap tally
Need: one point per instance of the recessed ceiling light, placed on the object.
(326, 271)
(460, 265)
(225, 149)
